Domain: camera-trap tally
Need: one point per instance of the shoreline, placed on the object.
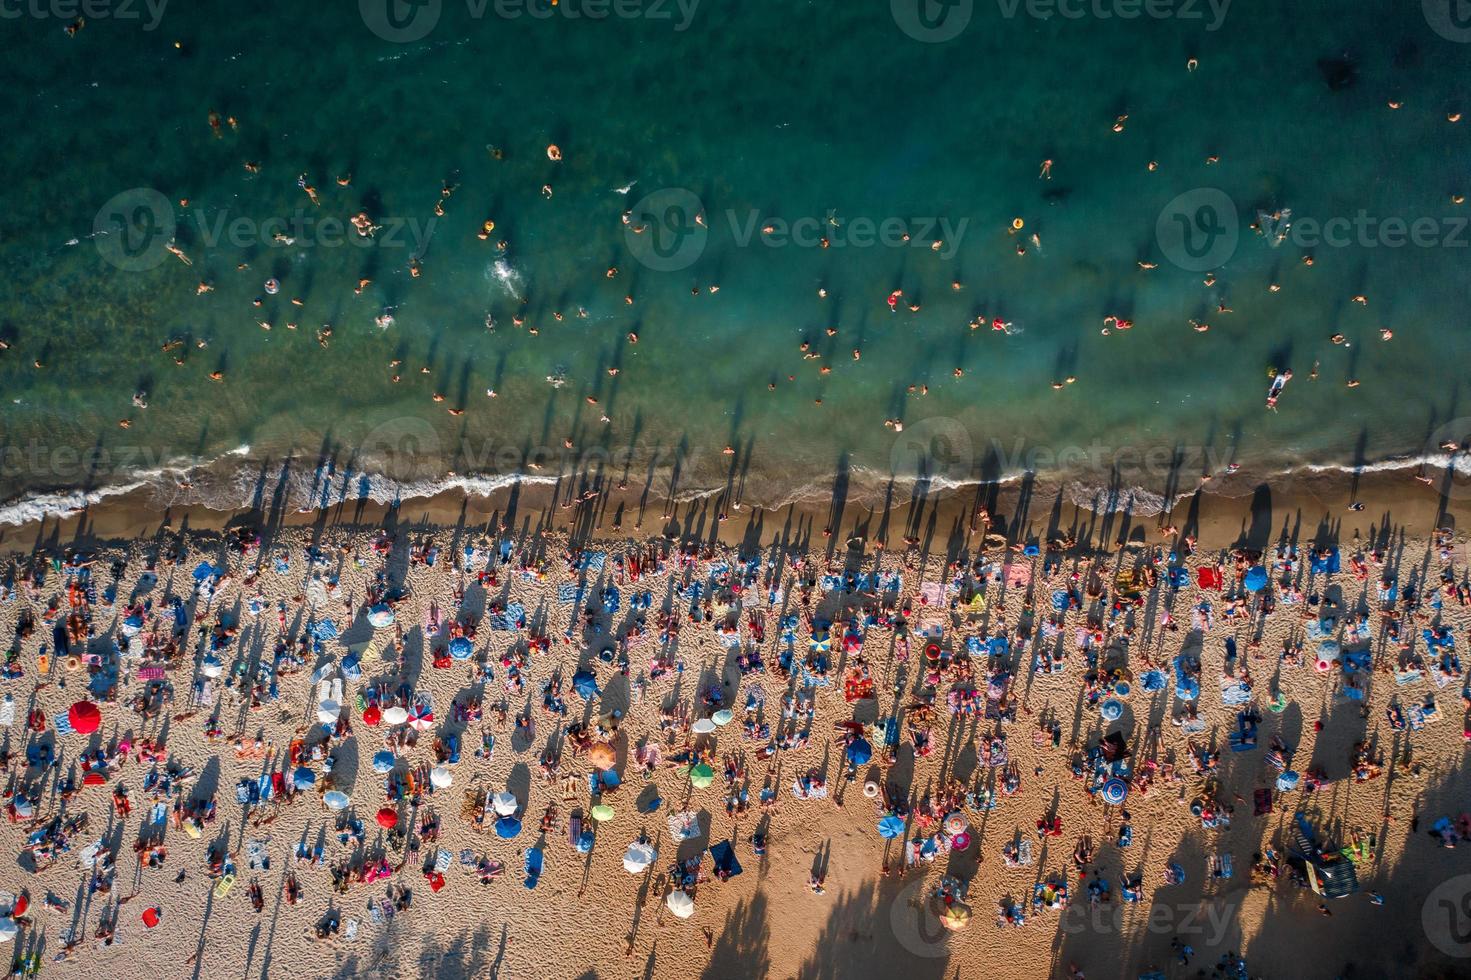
(1229, 511)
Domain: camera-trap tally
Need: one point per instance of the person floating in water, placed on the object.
(1275, 392)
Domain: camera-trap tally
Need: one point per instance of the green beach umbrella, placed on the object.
(702, 776)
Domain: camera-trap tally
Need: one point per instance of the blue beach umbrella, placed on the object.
(459, 648)
(383, 762)
(507, 827)
(585, 684)
(1256, 579)
(203, 571)
(891, 827)
(1114, 791)
(304, 778)
(859, 751)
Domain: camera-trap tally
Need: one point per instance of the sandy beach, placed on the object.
(588, 916)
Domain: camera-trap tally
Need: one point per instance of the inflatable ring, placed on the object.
(871, 789)
(1323, 666)
(73, 663)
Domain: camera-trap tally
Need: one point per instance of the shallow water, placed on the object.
(759, 114)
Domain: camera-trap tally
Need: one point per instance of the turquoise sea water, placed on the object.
(749, 114)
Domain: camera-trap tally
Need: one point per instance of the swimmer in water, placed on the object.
(1275, 392)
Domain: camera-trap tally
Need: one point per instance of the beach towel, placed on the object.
(1262, 802)
(1208, 578)
(63, 724)
(513, 618)
(567, 592)
(1328, 563)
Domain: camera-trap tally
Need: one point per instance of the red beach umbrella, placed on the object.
(371, 715)
(85, 717)
(388, 818)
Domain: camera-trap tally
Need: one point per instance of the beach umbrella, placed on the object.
(585, 684)
(722, 717)
(584, 842)
(1114, 791)
(388, 818)
(955, 917)
(23, 807)
(85, 717)
(701, 776)
(384, 761)
(371, 715)
(507, 827)
(638, 857)
(421, 718)
(203, 571)
(8, 929)
(460, 648)
(680, 904)
(152, 917)
(703, 727)
(132, 625)
(602, 756)
(335, 800)
(380, 616)
(211, 666)
(504, 804)
(1111, 709)
(395, 715)
(960, 841)
(303, 778)
(440, 778)
(94, 778)
(859, 751)
(328, 711)
(602, 813)
(891, 826)
(1287, 782)
(1256, 579)
(956, 823)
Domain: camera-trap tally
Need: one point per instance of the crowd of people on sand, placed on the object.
(115, 654)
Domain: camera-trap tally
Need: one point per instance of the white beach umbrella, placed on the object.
(638, 857)
(440, 778)
(395, 715)
(505, 804)
(328, 711)
(680, 904)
